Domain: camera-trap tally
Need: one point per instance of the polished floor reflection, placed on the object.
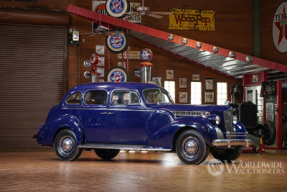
(43, 171)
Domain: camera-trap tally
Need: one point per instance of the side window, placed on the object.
(74, 98)
(125, 98)
(96, 97)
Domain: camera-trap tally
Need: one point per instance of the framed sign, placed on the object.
(195, 77)
(209, 84)
(254, 78)
(209, 97)
(101, 71)
(270, 112)
(169, 74)
(101, 61)
(156, 81)
(100, 49)
(183, 97)
(182, 82)
(192, 19)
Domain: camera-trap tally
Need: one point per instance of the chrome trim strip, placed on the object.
(87, 108)
(121, 146)
(231, 142)
(188, 113)
(109, 109)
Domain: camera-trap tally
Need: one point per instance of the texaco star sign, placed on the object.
(279, 28)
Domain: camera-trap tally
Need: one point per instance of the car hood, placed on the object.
(177, 107)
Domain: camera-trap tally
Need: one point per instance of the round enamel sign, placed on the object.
(117, 8)
(118, 42)
(146, 54)
(118, 74)
(279, 28)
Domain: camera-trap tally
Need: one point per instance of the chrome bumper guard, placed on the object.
(231, 142)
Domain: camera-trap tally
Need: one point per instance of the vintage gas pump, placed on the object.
(93, 75)
(145, 67)
(145, 72)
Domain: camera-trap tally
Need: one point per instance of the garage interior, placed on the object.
(39, 65)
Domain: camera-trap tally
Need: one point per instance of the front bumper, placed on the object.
(231, 142)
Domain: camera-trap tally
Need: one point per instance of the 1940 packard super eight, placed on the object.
(108, 117)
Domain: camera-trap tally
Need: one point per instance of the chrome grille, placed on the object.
(188, 113)
(228, 117)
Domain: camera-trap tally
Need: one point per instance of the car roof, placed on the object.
(112, 85)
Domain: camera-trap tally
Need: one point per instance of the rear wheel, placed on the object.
(107, 153)
(65, 145)
(227, 154)
(191, 147)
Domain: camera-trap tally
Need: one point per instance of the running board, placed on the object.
(121, 146)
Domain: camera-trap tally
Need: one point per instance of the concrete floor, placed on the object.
(43, 171)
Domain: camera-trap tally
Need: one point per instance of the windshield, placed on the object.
(157, 95)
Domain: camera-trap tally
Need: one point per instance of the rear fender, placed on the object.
(47, 133)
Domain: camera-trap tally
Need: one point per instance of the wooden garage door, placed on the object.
(32, 60)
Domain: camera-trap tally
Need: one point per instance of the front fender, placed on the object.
(47, 132)
(164, 136)
(239, 128)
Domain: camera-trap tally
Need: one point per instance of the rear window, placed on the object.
(75, 98)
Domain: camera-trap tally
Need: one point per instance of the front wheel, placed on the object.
(191, 147)
(227, 154)
(65, 145)
(107, 153)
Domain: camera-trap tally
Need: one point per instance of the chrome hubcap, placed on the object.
(190, 147)
(66, 145)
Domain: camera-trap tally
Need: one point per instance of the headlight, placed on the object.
(217, 120)
(234, 120)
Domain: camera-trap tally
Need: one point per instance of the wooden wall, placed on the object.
(233, 31)
(267, 49)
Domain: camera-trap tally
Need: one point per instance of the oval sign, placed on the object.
(146, 54)
(279, 28)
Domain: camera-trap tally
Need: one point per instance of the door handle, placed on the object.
(104, 113)
(110, 113)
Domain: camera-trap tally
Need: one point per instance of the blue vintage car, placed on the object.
(108, 117)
